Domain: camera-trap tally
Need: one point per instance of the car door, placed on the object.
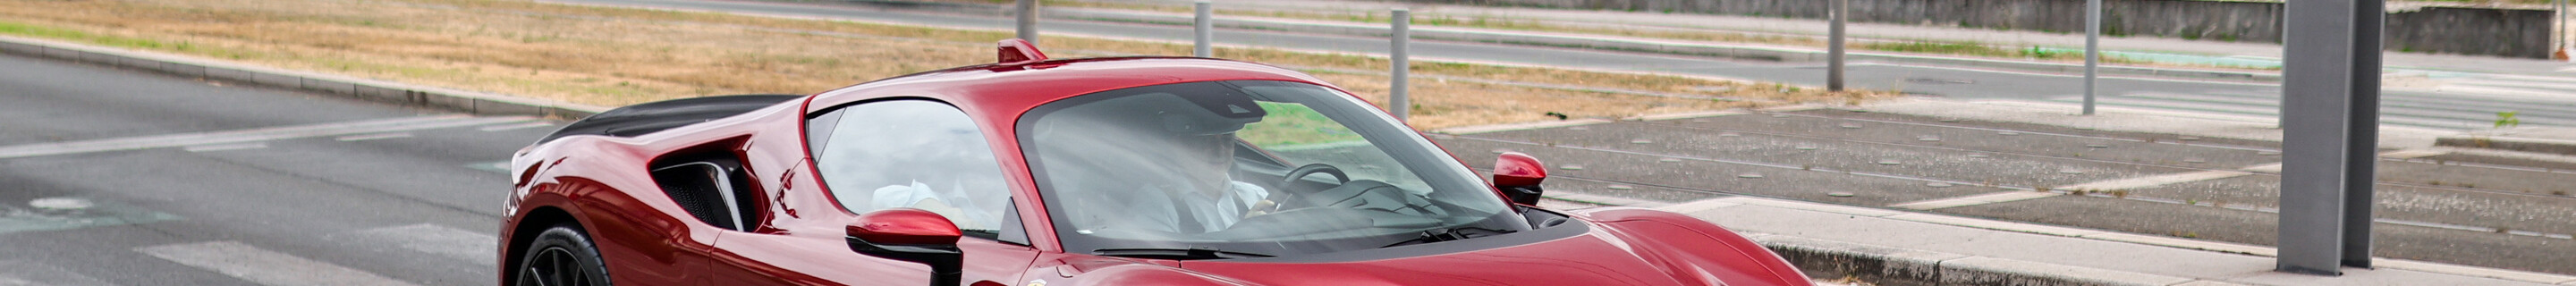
(880, 155)
(659, 247)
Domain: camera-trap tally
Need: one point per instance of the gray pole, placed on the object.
(2092, 51)
(1403, 38)
(2361, 152)
(1834, 45)
(2329, 122)
(1029, 20)
(1206, 25)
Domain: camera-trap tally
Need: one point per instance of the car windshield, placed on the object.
(1258, 168)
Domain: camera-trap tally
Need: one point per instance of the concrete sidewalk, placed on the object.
(1901, 248)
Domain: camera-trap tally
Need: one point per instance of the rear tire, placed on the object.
(561, 256)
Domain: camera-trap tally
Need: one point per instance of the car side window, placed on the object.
(917, 154)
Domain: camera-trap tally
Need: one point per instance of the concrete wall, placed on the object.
(2476, 31)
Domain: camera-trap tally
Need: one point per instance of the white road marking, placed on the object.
(262, 266)
(1996, 197)
(61, 203)
(2524, 84)
(1605, 200)
(226, 147)
(2273, 168)
(1698, 206)
(250, 135)
(1521, 126)
(15, 273)
(495, 166)
(1556, 204)
(2504, 91)
(1811, 206)
(2126, 184)
(1792, 108)
(2152, 181)
(516, 126)
(460, 244)
(1715, 113)
(2411, 154)
(373, 136)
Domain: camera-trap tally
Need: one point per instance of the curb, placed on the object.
(469, 102)
(1897, 266)
(1545, 39)
(2533, 145)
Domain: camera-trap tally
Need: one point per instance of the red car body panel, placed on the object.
(600, 182)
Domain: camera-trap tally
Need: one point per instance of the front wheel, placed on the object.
(562, 256)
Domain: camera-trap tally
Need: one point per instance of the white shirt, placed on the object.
(1212, 213)
(961, 209)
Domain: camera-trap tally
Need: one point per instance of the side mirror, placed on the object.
(1517, 176)
(912, 235)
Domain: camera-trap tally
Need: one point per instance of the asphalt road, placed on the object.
(112, 177)
(2452, 100)
(2441, 208)
(118, 177)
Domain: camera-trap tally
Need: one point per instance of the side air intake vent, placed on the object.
(714, 190)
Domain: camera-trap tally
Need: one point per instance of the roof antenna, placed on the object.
(1019, 52)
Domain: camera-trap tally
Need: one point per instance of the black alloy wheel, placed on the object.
(562, 256)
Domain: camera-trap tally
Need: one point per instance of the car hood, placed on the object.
(1609, 254)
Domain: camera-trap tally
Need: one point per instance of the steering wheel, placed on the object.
(1372, 195)
(1310, 169)
(1360, 194)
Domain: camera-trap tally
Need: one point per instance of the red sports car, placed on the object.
(1099, 171)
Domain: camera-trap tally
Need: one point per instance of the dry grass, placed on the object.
(613, 56)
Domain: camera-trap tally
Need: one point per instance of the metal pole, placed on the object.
(2562, 29)
(1834, 45)
(1206, 25)
(2329, 123)
(2361, 151)
(1029, 20)
(1403, 38)
(2092, 51)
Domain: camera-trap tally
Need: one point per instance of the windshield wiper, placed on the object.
(1193, 253)
(1448, 234)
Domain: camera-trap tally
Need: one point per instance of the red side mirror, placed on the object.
(1518, 176)
(905, 227)
(1514, 169)
(911, 235)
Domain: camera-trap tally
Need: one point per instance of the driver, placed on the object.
(1200, 143)
(1162, 160)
